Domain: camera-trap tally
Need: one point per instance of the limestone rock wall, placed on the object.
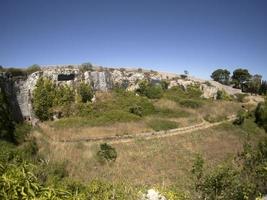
(103, 80)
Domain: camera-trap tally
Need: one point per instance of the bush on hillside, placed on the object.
(193, 91)
(227, 182)
(86, 92)
(154, 92)
(240, 118)
(178, 93)
(137, 110)
(43, 98)
(261, 115)
(107, 153)
(149, 90)
(21, 132)
(222, 95)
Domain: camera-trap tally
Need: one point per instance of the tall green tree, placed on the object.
(221, 75)
(43, 97)
(240, 76)
(86, 92)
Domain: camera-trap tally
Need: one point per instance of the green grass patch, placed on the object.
(96, 120)
(161, 124)
(123, 100)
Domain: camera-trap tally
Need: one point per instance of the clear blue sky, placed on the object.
(199, 36)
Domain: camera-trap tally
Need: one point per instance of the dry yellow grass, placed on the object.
(165, 103)
(215, 109)
(164, 161)
(94, 132)
(219, 108)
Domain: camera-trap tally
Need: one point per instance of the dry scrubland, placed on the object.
(156, 162)
(211, 110)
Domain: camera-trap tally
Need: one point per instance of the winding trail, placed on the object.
(148, 135)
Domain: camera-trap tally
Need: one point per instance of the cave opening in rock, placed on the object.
(65, 77)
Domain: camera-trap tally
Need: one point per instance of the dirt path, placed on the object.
(147, 135)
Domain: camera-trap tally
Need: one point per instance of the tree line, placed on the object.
(241, 79)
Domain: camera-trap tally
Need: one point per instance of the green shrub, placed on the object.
(222, 95)
(107, 153)
(21, 132)
(82, 109)
(174, 194)
(149, 90)
(7, 151)
(100, 190)
(178, 94)
(189, 103)
(123, 100)
(240, 118)
(160, 124)
(154, 92)
(86, 92)
(193, 91)
(226, 181)
(137, 110)
(164, 84)
(175, 94)
(43, 97)
(64, 95)
(261, 115)
(17, 181)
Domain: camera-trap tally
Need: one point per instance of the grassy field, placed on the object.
(143, 163)
(156, 162)
(111, 116)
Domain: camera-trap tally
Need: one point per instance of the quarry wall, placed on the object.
(20, 90)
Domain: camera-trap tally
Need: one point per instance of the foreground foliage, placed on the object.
(261, 115)
(244, 178)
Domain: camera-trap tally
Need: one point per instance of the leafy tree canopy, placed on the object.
(43, 96)
(240, 76)
(86, 92)
(221, 75)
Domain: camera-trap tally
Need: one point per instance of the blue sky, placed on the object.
(195, 35)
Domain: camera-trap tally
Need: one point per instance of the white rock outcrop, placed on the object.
(153, 195)
(105, 79)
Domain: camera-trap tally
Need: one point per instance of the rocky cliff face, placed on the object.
(103, 80)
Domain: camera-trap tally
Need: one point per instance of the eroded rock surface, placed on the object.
(104, 79)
